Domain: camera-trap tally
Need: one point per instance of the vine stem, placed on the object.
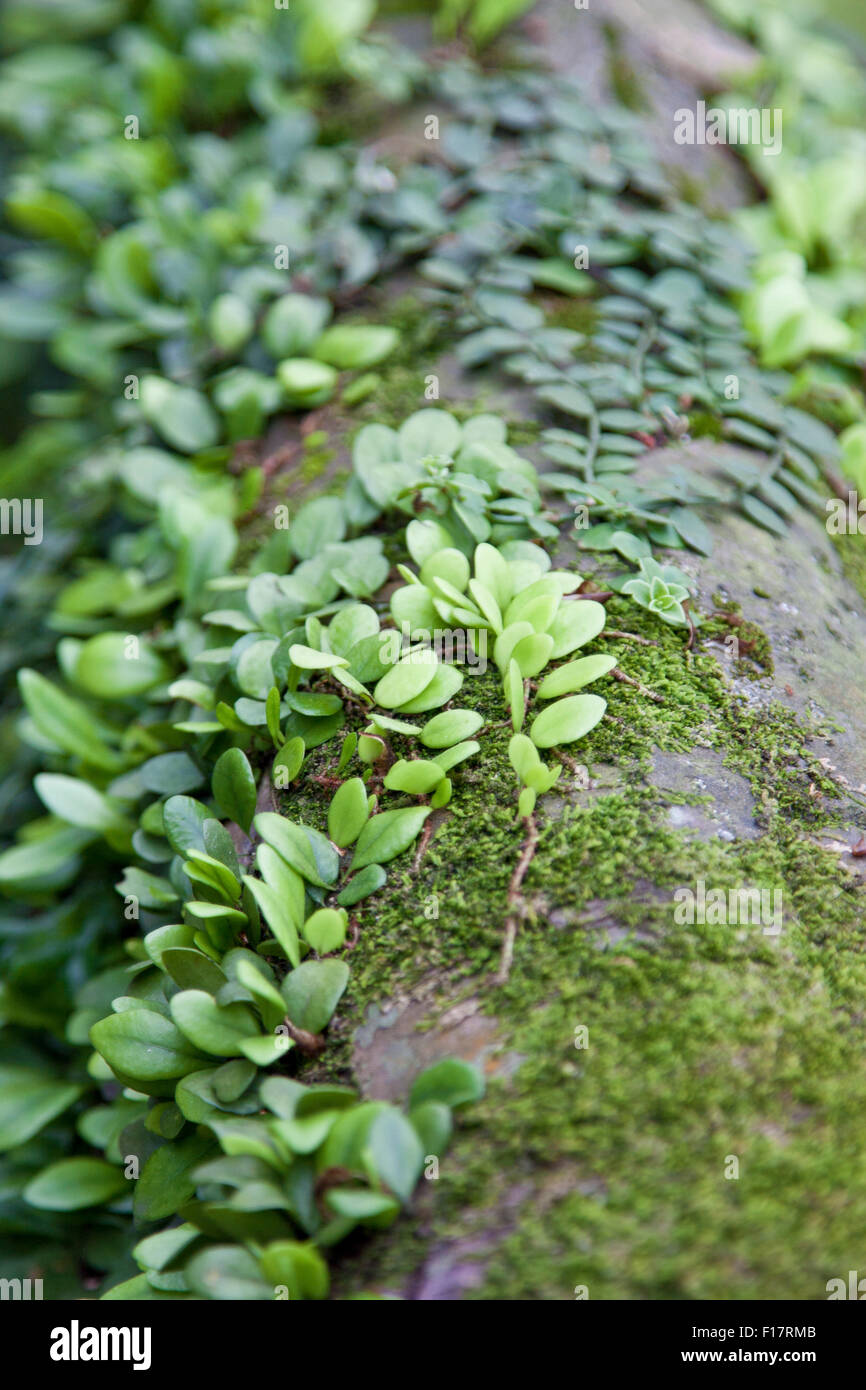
(628, 636)
(426, 836)
(515, 900)
(619, 675)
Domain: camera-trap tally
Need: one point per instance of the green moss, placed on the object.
(563, 311)
(605, 1166)
(852, 552)
(755, 658)
(704, 425)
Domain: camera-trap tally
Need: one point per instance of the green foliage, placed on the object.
(199, 679)
(663, 589)
(811, 272)
(244, 912)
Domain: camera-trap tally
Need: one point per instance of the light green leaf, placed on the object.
(281, 915)
(351, 346)
(574, 675)
(115, 665)
(451, 727)
(65, 722)
(325, 930)
(415, 776)
(396, 1153)
(292, 842)
(567, 720)
(576, 623)
(348, 812)
(451, 1082)
(406, 679)
(387, 835)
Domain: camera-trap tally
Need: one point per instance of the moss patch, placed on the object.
(605, 1166)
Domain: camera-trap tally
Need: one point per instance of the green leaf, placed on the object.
(445, 684)
(318, 523)
(523, 756)
(234, 787)
(114, 665)
(361, 885)
(515, 694)
(432, 1122)
(452, 727)
(75, 1183)
(526, 802)
(325, 930)
(65, 722)
(415, 776)
(348, 812)
(692, 529)
(313, 991)
(569, 399)
(351, 346)
(567, 720)
(532, 653)
(183, 417)
(451, 567)
(306, 383)
(507, 640)
(396, 1153)
(146, 1047)
(345, 1146)
(429, 432)
(296, 1267)
(406, 679)
(388, 834)
(289, 761)
(210, 1027)
(268, 999)
(212, 873)
(360, 1204)
(192, 969)
(293, 323)
(451, 1082)
(30, 1099)
(292, 842)
(764, 516)
(230, 322)
(450, 757)
(229, 1273)
(576, 623)
(183, 822)
(167, 1179)
(574, 675)
(280, 915)
(78, 803)
(308, 659)
(170, 774)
